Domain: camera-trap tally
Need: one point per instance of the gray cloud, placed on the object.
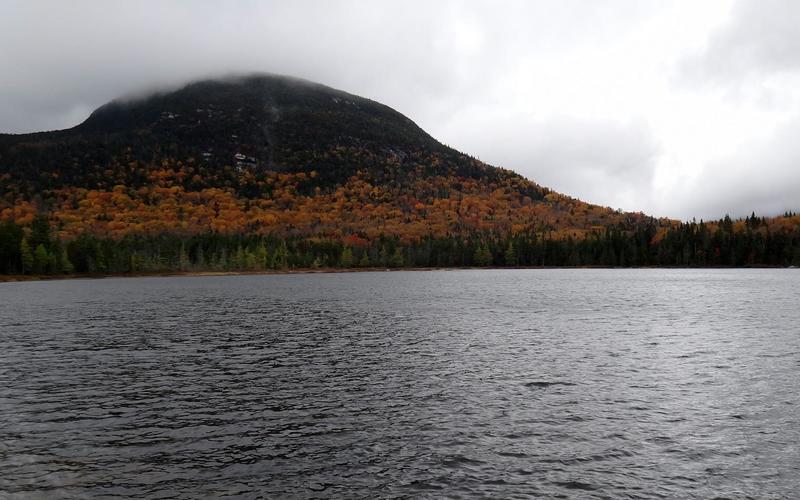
(754, 59)
(579, 96)
(88, 52)
(760, 37)
(609, 162)
(764, 178)
(414, 55)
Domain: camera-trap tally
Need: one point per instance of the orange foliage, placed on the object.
(358, 210)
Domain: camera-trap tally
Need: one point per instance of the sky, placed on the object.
(679, 109)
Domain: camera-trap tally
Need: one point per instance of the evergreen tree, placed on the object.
(347, 257)
(10, 240)
(280, 256)
(200, 258)
(261, 257)
(26, 256)
(383, 257)
(52, 263)
(183, 258)
(396, 260)
(482, 255)
(64, 264)
(221, 260)
(511, 254)
(40, 259)
(40, 232)
(136, 262)
(238, 259)
(249, 260)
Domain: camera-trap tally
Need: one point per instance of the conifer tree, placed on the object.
(396, 259)
(347, 257)
(383, 257)
(26, 256)
(261, 257)
(280, 256)
(200, 259)
(183, 258)
(482, 256)
(64, 263)
(249, 260)
(511, 254)
(238, 259)
(40, 259)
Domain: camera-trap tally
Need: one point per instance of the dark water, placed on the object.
(552, 383)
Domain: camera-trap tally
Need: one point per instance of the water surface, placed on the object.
(551, 383)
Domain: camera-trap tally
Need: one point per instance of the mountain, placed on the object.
(262, 146)
(231, 166)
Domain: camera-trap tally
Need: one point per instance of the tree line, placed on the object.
(35, 249)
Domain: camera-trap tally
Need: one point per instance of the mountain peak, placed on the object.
(277, 122)
(259, 122)
(258, 102)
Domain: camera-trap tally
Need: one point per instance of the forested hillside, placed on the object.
(271, 172)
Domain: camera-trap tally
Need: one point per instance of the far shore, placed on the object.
(326, 270)
(165, 274)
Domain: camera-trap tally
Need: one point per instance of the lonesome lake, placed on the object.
(650, 383)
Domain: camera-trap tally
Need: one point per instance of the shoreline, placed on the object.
(12, 278)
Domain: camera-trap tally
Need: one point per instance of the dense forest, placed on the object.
(746, 242)
(268, 172)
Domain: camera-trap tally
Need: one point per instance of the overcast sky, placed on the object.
(675, 108)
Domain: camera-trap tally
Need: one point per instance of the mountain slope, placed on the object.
(271, 155)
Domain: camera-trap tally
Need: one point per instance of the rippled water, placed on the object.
(553, 383)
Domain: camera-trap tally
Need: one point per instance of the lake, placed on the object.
(584, 383)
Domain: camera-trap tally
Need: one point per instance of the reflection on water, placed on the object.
(580, 383)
